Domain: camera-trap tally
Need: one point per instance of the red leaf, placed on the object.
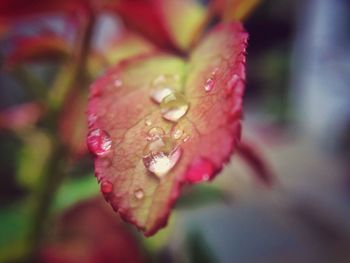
(143, 158)
(169, 23)
(42, 47)
(88, 233)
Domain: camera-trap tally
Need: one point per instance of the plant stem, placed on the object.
(58, 163)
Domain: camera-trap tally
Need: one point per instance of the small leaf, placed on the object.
(14, 229)
(145, 150)
(74, 191)
(168, 23)
(33, 158)
(20, 116)
(200, 195)
(127, 45)
(231, 10)
(61, 84)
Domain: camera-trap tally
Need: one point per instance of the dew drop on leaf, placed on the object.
(118, 83)
(231, 84)
(148, 122)
(91, 119)
(154, 133)
(139, 194)
(177, 134)
(201, 170)
(173, 107)
(99, 142)
(161, 155)
(159, 94)
(186, 138)
(106, 187)
(209, 85)
(163, 86)
(210, 82)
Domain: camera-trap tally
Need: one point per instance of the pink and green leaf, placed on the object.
(121, 114)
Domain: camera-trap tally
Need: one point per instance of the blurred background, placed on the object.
(296, 113)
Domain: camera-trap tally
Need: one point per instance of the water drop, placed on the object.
(177, 134)
(209, 85)
(159, 94)
(186, 138)
(163, 86)
(148, 122)
(118, 83)
(106, 187)
(232, 83)
(139, 194)
(154, 133)
(161, 155)
(173, 107)
(99, 142)
(201, 170)
(91, 119)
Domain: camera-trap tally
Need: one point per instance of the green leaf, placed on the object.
(74, 191)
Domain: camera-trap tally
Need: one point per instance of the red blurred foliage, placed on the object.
(10, 10)
(90, 233)
(20, 116)
(36, 48)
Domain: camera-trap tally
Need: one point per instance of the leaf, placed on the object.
(200, 195)
(32, 158)
(20, 116)
(74, 191)
(10, 10)
(126, 45)
(61, 84)
(169, 23)
(14, 229)
(37, 48)
(88, 233)
(126, 125)
(231, 10)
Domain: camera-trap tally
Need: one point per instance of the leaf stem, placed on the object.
(59, 161)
